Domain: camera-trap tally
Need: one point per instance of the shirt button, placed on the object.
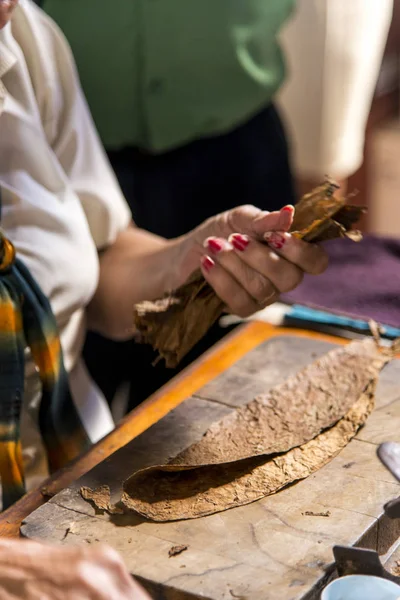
(155, 86)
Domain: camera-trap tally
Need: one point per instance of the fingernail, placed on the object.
(274, 239)
(239, 241)
(207, 263)
(216, 245)
(288, 208)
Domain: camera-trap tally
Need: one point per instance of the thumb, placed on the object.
(255, 222)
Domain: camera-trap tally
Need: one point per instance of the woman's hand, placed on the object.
(246, 265)
(29, 571)
(248, 257)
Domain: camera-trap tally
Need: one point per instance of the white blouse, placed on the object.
(61, 201)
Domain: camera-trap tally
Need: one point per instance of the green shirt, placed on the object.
(159, 73)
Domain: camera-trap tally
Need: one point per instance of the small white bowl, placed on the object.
(361, 587)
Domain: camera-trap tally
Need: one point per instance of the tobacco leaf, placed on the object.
(310, 513)
(293, 412)
(176, 550)
(176, 492)
(101, 499)
(174, 324)
(276, 439)
(323, 215)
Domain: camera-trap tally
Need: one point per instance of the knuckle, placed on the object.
(243, 208)
(245, 311)
(235, 215)
(321, 264)
(120, 570)
(239, 305)
(293, 278)
(270, 299)
(242, 305)
(259, 287)
(110, 556)
(81, 578)
(314, 259)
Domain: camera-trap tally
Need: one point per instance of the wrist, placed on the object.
(189, 248)
(183, 259)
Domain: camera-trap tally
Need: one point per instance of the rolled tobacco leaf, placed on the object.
(173, 324)
(278, 438)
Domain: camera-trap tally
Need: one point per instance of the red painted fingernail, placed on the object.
(215, 245)
(207, 263)
(274, 239)
(239, 241)
(288, 208)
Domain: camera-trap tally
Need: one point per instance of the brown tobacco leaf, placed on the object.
(276, 439)
(310, 513)
(174, 492)
(321, 215)
(176, 550)
(293, 412)
(101, 499)
(174, 324)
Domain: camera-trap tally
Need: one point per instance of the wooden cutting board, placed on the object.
(276, 548)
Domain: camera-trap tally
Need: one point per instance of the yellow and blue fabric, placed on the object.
(26, 320)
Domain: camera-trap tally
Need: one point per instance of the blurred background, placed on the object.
(378, 179)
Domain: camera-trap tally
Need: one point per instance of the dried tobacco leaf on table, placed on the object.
(276, 439)
(177, 550)
(101, 499)
(174, 324)
(171, 494)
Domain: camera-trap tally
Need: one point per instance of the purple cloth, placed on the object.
(362, 281)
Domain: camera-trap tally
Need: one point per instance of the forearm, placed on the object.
(138, 266)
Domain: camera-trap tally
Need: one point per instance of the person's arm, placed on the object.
(231, 250)
(334, 50)
(138, 266)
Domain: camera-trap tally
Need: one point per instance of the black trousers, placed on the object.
(172, 193)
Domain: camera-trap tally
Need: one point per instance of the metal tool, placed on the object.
(389, 455)
(360, 561)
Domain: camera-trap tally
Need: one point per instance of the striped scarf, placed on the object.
(26, 320)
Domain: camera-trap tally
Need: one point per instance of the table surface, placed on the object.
(210, 365)
(278, 547)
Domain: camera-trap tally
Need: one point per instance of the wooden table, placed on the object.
(268, 549)
(206, 368)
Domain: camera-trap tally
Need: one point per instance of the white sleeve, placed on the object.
(74, 139)
(334, 50)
